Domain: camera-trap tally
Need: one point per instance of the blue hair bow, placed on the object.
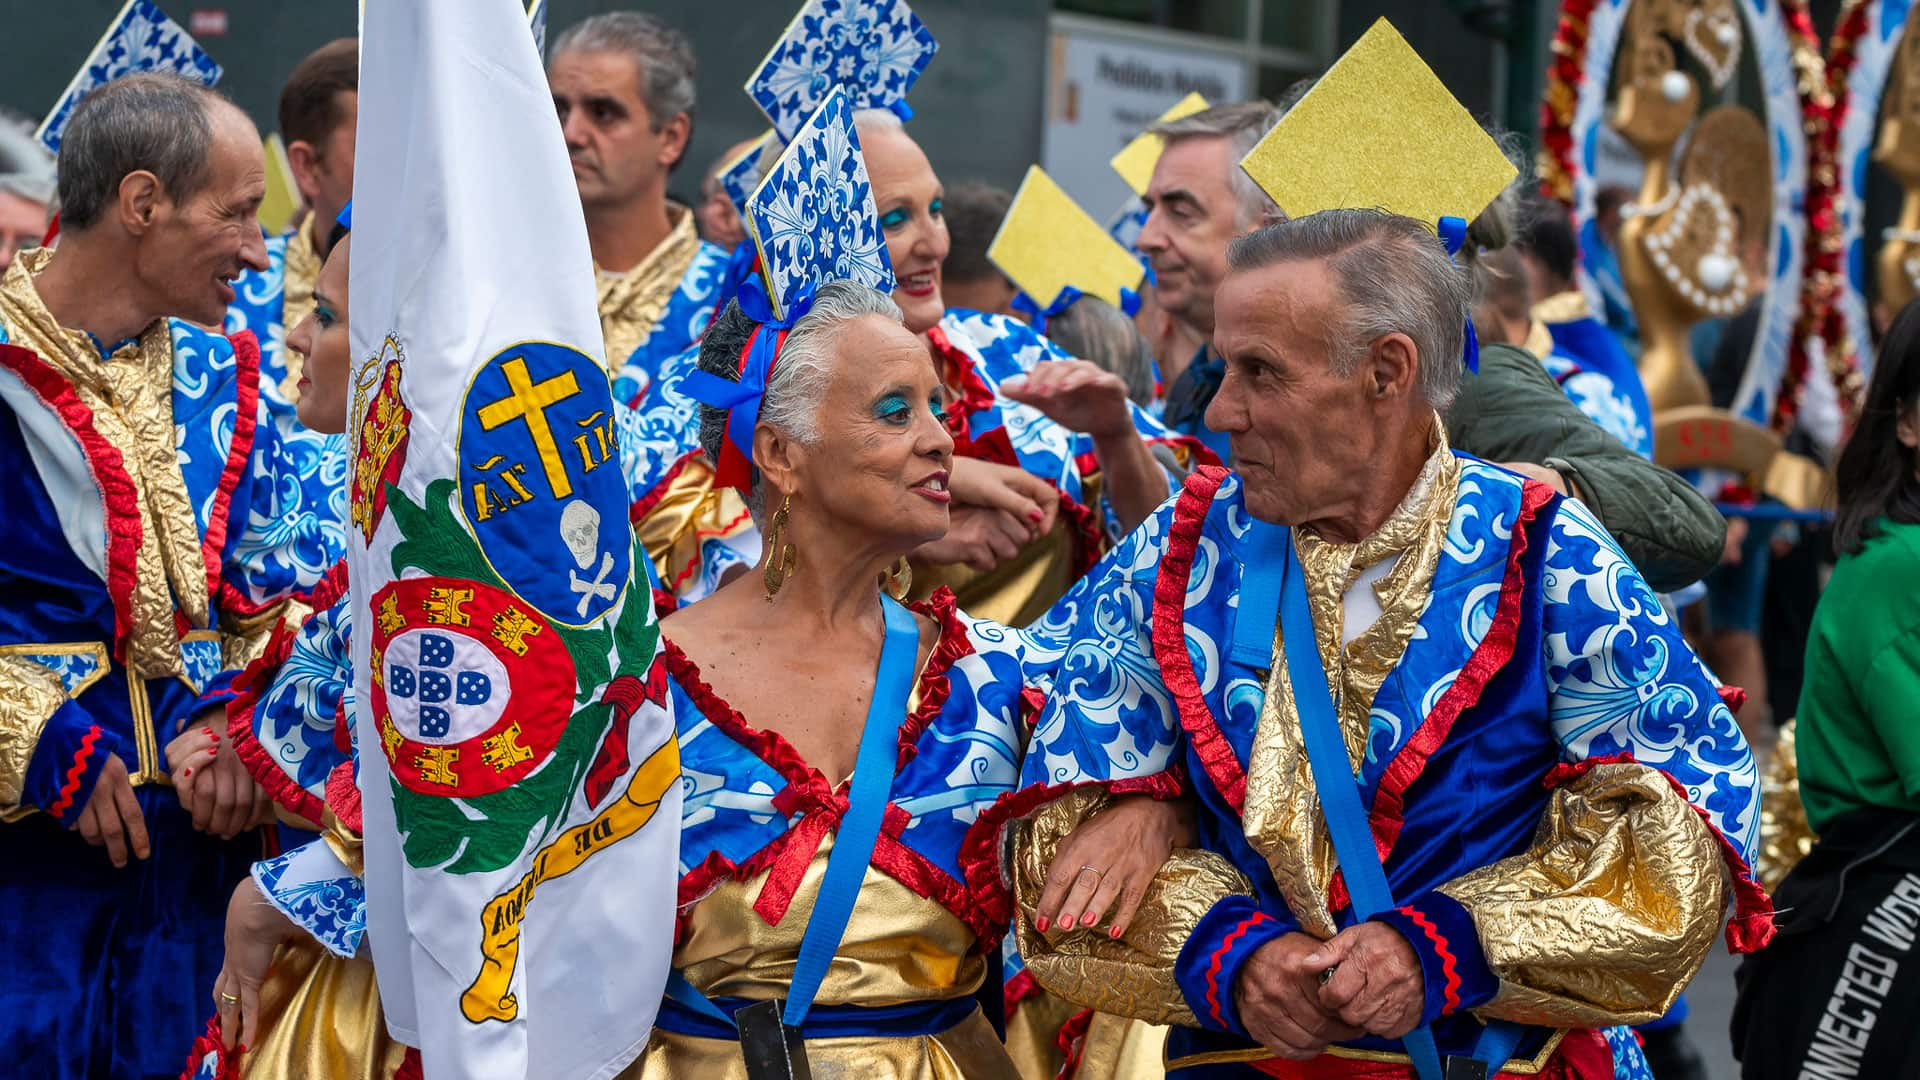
(1024, 304)
(1453, 233)
(742, 399)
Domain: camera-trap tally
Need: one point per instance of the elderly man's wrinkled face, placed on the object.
(1192, 217)
(907, 196)
(189, 254)
(881, 463)
(1303, 437)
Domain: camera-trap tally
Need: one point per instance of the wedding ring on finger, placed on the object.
(1095, 871)
(229, 999)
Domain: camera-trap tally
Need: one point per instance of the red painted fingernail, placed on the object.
(1036, 517)
(1040, 924)
(186, 772)
(1114, 933)
(209, 732)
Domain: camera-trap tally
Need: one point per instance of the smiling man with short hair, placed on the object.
(157, 509)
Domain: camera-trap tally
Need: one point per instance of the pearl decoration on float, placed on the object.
(1674, 86)
(1717, 284)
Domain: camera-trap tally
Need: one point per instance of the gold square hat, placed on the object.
(1136, 160)
(1047, 244)
(1380, 130)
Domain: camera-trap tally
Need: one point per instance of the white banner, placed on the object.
(518, 764)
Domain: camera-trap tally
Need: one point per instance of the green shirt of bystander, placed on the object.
(1859, 718)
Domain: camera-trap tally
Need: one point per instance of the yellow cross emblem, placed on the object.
(527, 400)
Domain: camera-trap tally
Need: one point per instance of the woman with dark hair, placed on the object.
(1848, 910)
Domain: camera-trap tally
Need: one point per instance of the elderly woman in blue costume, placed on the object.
(846, 462)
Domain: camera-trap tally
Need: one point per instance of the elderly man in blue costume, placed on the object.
(1466, 796)
(158, 509)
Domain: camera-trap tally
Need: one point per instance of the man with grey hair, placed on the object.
(623, 83)
(156, 512)
(1511, 411)
(1467, 699)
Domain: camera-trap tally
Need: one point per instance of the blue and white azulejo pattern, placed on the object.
(813, 218)
(742, 174)
(140, 38)
(873, 49)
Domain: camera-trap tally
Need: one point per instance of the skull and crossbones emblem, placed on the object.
(580, 529)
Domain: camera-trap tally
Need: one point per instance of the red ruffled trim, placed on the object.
(1019, 988)
(1072, 1042)
(1733, 697)
(343, 796)
(246, 356)
(228, 1067)
(809, 793)
(1170, 637)
(975, 395)
(410, 1068)
(117, 496)
(1087, 530)
(644, 505)
(1387, 816)
(979, 857)
(330, 588)
(249, 688)
(1752, 924)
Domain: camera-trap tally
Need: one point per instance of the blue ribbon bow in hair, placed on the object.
(1453, 233)
(1038, 316)
(742, 399)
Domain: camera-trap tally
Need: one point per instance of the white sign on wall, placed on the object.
(1105, 86)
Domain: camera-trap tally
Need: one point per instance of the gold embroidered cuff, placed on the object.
(1131, 977)
(29, 695)
(1610, 913)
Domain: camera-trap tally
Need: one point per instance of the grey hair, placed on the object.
(1395, 277)
(1096, 331)
(662, 54)
(26, 169)
(878, 120)
(157, 122)
(1243, 124)
(799, 380)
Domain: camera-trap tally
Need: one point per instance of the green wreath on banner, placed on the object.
(479, 834)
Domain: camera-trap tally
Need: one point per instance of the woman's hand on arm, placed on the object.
(1023, 496)
(1109, 860)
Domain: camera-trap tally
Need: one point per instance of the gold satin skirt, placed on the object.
(967, 1051)
(320, 1017)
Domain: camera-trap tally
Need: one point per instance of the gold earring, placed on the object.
(780, 558)
(898, 581)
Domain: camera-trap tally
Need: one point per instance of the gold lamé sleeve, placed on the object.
(1612, 910)
(1785, 836)
(345, 844)
(244, 637)
(1133, 976)
(29, 695)
(691, 507)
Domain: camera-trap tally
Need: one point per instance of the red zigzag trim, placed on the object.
(74, 771)
(1448, 965)
(1220, 955)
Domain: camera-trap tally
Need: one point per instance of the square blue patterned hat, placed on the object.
(140, 38)
(740, 176)
(871, 49)
(813, 218)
